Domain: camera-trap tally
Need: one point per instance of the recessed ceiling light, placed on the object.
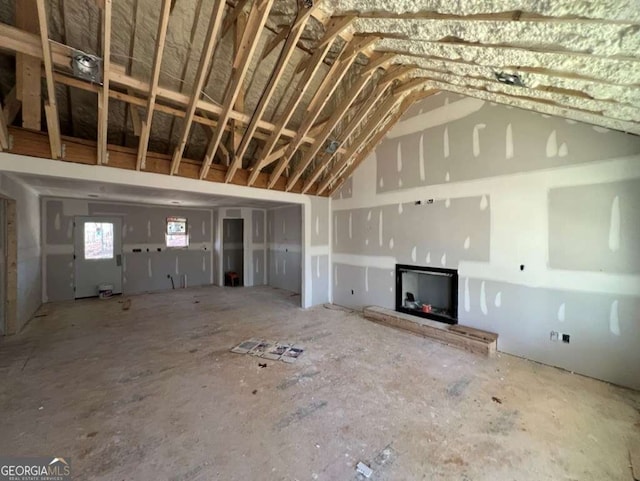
(175, 202)
(509, 79)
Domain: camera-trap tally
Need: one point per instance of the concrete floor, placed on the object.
(154, 393)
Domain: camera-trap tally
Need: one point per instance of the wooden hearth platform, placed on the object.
(467, 338)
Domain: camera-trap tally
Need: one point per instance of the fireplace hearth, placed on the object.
(427, 292)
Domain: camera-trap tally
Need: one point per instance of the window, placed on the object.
(177, 235)
(98, 240)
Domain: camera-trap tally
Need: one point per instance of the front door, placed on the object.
(97, 254)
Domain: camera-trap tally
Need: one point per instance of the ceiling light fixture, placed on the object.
(175, 202)
(509, 79)
(86, 66)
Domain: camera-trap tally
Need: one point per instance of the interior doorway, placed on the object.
(97, 255)
(233, 251)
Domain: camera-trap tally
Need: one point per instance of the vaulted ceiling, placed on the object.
(292, 95)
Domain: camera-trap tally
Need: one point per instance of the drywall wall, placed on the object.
(284, 238)
(319, 251)
(29, 247)
(144, 228)
(539, 215)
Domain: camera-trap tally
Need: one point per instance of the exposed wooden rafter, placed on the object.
(366, 146)
(155, 77)
(251, 35)
(28, 90)
(50, 106)
(16, 40)
(278, 70)
(353, 124)
(329, 84)
(336, 117)
(211, 38)
(313, 65)
(103, 93)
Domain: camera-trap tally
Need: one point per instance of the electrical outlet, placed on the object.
(566, 338)
(555, 335)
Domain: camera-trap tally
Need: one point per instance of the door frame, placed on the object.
(76, 257)
(244, 246)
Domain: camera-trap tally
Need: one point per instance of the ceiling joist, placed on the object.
(155, 77)
(278, 70)
(203, 67)
(251, 36)
(103, 93)
(50, 106)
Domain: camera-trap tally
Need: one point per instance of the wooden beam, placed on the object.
(185, 67)
(29, 90)
(250, 38)
(11, 106)
(51, 106)
(331, 81)
(132, 110)
(292, 38)
(103, 94)
(374, 120)
(357, 119)
(303, 84)
(15, 40)
(81, 151)
(210, 41)
(396, 72)
(4, 132)
(235, 137)
(411, 85)
(376, 139)
(337, 26)
(378, 60)
(337, 115)
(161, 36)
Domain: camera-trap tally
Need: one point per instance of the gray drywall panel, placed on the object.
(284, 235)
(233, 213)
(319, 279)
(258, 267)
(59, 281)
(319, 221)
(59, 227)
(604, 328)
(285, 270)
(595, 227)
(493, 141)
(144, 228)
(257, 221)
(438, 234)
(356, 287)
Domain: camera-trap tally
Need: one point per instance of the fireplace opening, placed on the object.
(427, 292)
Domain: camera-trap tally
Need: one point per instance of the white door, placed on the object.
(97, 254)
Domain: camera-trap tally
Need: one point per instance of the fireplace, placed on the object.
(427, 292)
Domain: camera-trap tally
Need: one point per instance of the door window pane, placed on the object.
(98, 240)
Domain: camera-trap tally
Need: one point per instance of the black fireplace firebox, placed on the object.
(427, 292)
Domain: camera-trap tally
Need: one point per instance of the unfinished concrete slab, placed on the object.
(153, 392)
